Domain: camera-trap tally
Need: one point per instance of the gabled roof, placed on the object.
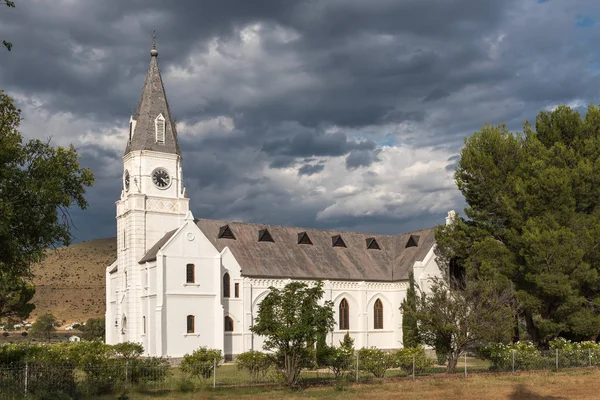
(151, 254)
(286, 258)
(153, 102)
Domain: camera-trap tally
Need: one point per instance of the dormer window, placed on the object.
(159, 125)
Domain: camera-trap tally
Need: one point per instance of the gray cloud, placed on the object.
(315, 93)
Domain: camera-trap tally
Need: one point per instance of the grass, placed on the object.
(575, 384)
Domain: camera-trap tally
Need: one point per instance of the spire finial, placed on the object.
(154, 52)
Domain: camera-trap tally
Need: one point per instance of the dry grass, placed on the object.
(70, 282)
(575, 384)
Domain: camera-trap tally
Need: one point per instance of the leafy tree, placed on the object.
(453, 319)
(341, 358)
(536, 194)
(43, 327)
(94, 329)
(410, 329)
(8, 3)
(290, 319)
(38, 185)
(201, 362)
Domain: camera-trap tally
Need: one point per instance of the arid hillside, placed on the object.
(69, 283)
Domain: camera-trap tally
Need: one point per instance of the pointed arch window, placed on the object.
(190, 323)
(226, 289)
(344, 311)
(228, 324)
(378, 315)
(159, 125)
(144, 324)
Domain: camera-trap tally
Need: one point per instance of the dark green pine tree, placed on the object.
(410, 329)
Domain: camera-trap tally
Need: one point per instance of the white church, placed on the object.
(180, 283)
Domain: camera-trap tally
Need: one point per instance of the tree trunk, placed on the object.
(531, 329)
(452, 361)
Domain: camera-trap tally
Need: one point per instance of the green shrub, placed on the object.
(404, 359)
(526, 356)
(184, 385)
(256, 363)
(201, 362)
(375, 361)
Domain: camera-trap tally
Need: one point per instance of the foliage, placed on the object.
(8, 3)
(93, 329)
(453, 319)
(43, 327)
(537, 195)
(256, 363)
(291, 319)
(526, 356)
(201, 362)
(405, 357)
(410, 329)
(39, 183)
(375, 361)
(341, 359)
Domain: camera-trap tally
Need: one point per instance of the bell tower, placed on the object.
(152, 200)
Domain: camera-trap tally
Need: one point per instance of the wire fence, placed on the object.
(41, 379)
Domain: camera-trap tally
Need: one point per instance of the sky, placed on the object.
(333, 114)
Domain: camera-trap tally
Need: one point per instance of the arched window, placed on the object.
(226, 292)
(378, 315)
(228, 324)
(344, 315)
(190, 273)
(190, 324)
(144, 324)
(159, 123)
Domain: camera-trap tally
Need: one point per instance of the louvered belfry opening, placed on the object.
(337, 241)
(372, 244)
(225, 232)
(265, 236)
(413, 241)
(303, 238)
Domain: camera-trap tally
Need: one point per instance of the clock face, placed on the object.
(161, 178)
(126, 179)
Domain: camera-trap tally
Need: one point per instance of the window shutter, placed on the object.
(160, 129)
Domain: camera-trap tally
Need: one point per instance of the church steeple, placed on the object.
(152, 127)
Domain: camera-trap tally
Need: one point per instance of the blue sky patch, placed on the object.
(583, 21)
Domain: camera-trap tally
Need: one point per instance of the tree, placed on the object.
(94, 329)
(410, 329)
(536, 195)
(38, 185)
(43, 327)
(8, 3)
(453, 319)
(290, 319)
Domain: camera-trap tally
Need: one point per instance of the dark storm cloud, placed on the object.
(308, 169)
(355, 75)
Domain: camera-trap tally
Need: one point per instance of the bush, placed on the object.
(375, 361)
(526, 356)
(341, 359)
(201, 362)
(184, 385)
(404, 359)
(256, 363)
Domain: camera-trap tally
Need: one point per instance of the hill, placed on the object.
(70, 282)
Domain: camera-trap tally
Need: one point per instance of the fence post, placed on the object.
(214, 372)
(465, 364)
(26, 377)
(357, 367)
(557, 359)
(590, 356)
(414, 366)
(513, 360)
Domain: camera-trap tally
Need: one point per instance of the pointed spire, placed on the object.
(149, 130)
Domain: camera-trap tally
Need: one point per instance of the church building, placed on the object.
(179, 283)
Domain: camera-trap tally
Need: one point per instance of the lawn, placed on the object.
(574, 384)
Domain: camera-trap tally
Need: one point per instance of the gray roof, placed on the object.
(285, 258)
(151, 254)
(153, 102)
